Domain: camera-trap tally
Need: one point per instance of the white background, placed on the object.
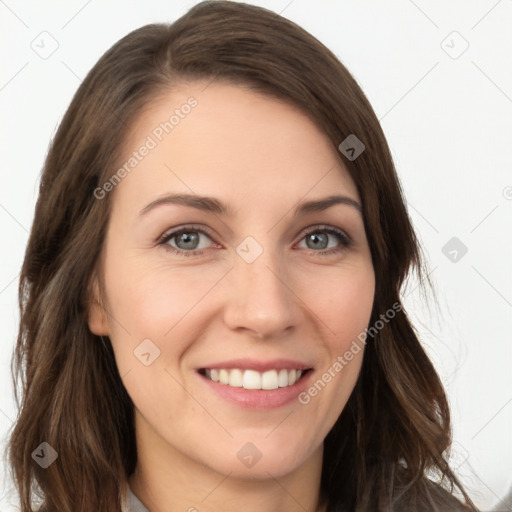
(448, 119)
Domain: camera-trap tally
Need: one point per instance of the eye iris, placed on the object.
(186, 237)
(314, 237)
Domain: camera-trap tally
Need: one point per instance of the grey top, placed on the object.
(133, 504)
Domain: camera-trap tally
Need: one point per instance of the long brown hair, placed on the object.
(395, 429)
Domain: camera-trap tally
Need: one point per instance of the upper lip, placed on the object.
(260, 366)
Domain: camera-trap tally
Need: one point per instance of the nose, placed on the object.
(261, 299)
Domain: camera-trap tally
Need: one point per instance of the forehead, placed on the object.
(225, 139)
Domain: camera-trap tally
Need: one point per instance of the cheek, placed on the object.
(150, 301)
(161, 304)
(344, 304)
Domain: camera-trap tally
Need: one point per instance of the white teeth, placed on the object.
(235, 378)
(269, 380)
(252, 379)
(283, 378)
(223, 377)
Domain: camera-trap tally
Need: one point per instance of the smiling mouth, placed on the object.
(252, 379)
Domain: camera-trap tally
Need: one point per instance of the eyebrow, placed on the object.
(213, 205)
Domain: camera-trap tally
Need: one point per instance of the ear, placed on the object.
(97, 315)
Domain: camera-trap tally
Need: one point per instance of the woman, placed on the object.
(189, 341)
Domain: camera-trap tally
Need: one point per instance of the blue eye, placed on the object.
(325, 234)
(187, 235)
(317, 237)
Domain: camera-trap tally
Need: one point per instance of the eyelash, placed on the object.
(345, 240)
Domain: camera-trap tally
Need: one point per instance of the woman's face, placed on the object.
(253, 293)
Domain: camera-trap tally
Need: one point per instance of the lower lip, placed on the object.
(259, 398)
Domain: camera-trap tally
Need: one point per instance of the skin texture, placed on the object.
(261, 156)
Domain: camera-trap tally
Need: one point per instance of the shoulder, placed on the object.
(423, 496)
(434, 498)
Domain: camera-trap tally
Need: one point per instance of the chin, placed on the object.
(260, 461)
